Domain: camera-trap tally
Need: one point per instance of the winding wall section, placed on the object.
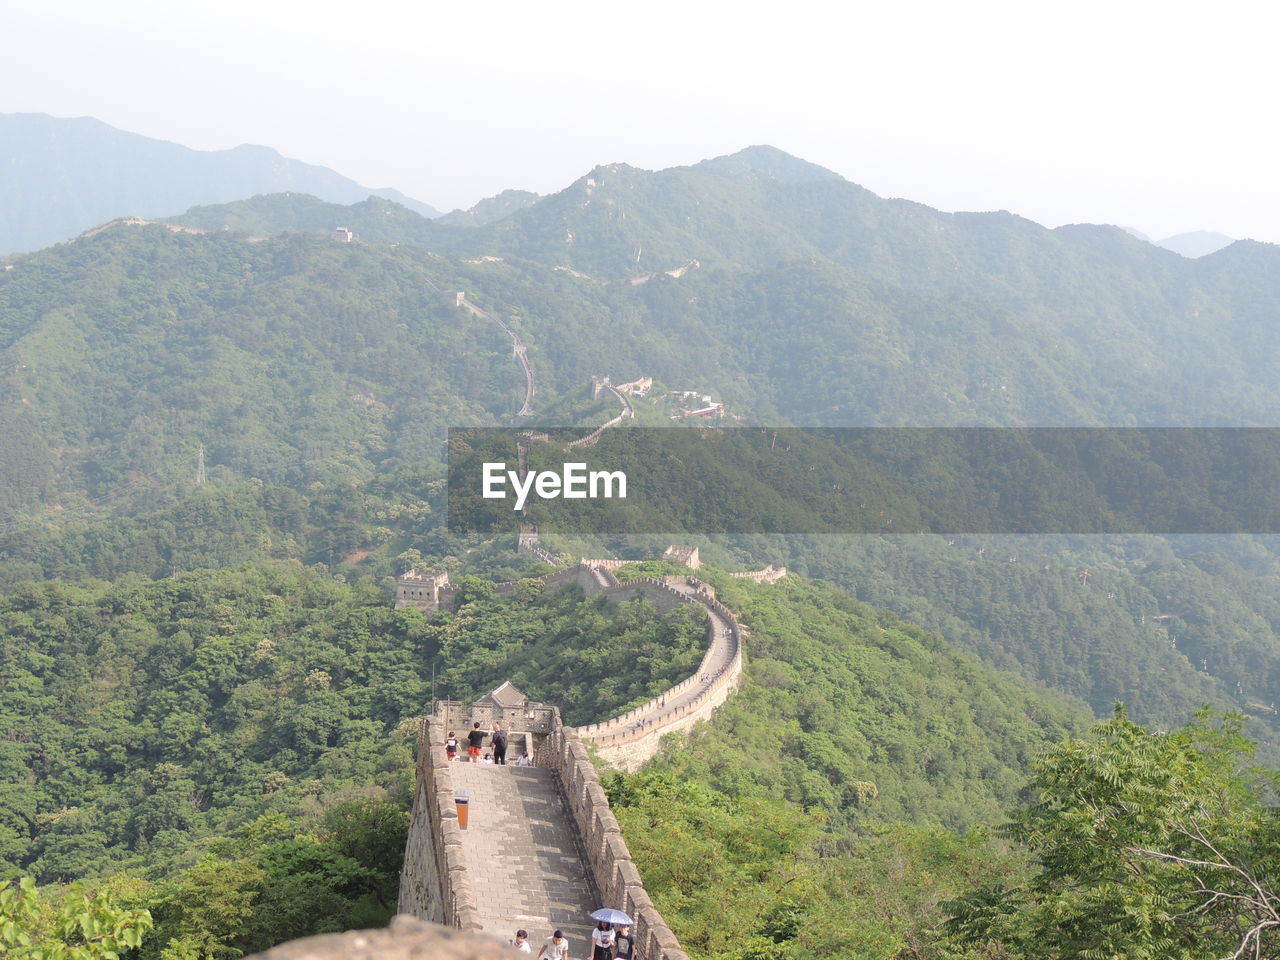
(518, 349)
(436, 882)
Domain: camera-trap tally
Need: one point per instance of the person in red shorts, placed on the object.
(475, 740)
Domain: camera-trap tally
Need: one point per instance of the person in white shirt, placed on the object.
(556, 947)
(602, 942)
(521, 942)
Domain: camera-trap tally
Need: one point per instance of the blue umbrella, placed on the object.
(609, 915)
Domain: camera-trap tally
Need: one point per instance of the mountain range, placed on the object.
(237, 417)
(64, 176)
(793, 295)
(318, 372)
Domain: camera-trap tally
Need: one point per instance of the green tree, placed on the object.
(1152, 846)
(82, 925)
(207, 909)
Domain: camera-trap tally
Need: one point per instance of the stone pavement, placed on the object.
(522, 856)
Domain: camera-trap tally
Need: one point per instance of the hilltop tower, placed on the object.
(428, 592)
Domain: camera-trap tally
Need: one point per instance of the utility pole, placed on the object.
(200, 468)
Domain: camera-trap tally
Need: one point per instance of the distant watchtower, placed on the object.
(678, 553)
(428, 592)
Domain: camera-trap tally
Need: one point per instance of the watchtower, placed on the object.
(428, 592)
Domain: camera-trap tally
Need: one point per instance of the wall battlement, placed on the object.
(434, 884)
(433, 881)
(607, 855)
(769, 574)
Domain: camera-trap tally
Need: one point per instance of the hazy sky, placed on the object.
(1159, 116)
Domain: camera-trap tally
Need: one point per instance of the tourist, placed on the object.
(521, 942)
(475, 740)
(487, 759)
(524, 761)
(451, 746)
(624, 945)
(602, 942)
(499, 739)
(556, 947)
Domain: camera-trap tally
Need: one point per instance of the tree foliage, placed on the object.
(1149, 845)
(66, 924)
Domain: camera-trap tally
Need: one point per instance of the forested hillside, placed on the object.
(326, 372)
(145, 720)
(223, 436)
(1164, 624)
(816, 300)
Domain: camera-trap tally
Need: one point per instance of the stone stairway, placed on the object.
(522, 855)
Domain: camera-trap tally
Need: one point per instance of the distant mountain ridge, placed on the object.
(491, 209)
(1197, 243)
(816, 301)
(64, 176)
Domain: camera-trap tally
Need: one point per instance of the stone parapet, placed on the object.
(769, 574)
(631, 738)
(608, 858)
(407, 938)
(433, 881)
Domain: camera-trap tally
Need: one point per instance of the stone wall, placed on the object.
(405, 939)
(606, 564)
(695, 698)
(434, 884)
(535, 719)
(550, 581)
(664, 597)
(433, 881)
(607, 855)
(528, 541)
(620, 742)
(769, 574)
(627, 412)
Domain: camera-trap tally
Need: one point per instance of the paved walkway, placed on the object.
(522, 857)
(668, 708)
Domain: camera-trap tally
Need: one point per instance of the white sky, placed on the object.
(1159, 116)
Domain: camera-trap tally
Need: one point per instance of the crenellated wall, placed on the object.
(769, 574)
(607, 855)
(628, 740)
(606, 564)
(433, 881)
(662, 595)
(597, 385)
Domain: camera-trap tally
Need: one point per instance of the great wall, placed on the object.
(517, 348)
(538, 846)
(494, 848)
(542, 841)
